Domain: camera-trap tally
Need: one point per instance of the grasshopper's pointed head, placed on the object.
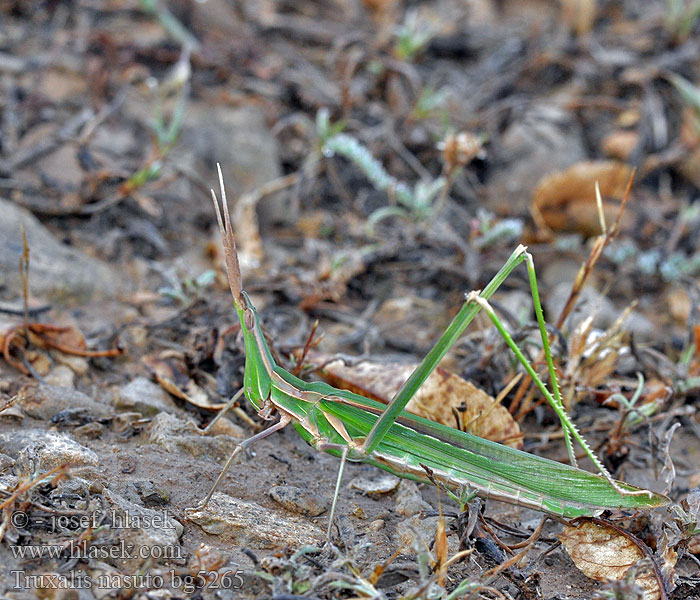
(233, 268)
(259, 363)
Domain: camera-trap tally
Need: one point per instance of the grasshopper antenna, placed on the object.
(233, 268)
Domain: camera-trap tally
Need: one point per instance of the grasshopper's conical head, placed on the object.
(259, 361)
(233, 268)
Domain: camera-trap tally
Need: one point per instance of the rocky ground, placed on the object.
(381, 159)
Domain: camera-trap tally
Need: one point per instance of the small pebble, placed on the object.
(61, 376)
(375, 487)
(296, 500)
(146, 397)
(377, 524)
(90, 431)
(48, 448)
(409, 501)
(150, 494)
(43, 401)
(5, 462)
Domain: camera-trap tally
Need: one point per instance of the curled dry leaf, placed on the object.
(565, 201)
(25, 340)
(170, 372)
(444, 397)
(603, 552)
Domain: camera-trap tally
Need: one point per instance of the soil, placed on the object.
(324, 117)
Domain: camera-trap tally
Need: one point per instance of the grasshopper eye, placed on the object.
(249, 319)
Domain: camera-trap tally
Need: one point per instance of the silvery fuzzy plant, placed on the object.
(415, 204)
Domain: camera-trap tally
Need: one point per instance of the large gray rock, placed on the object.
(240, 140)
(55, 270)
(45, 401)
(249, 524)
(46, 449)
(146, 397)
(543, 140)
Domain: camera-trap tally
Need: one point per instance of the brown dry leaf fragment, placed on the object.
(206, 558)
(579, 15)
(332, 276)
(460, 149)
(565, 201)
(694, 367)
(170, 372)
(58, 337)
(26, 340)
(606, 553)
(620, 144)
(441, 552)
(694, 545)
(443, 397)
(689, 165)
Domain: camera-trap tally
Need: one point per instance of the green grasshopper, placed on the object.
(356, 428)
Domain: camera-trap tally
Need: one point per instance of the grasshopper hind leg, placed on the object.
(343, 459)
(281, 424)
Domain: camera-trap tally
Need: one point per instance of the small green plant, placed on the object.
(492, 231)
(681, 17)
(171, 24)
(187, 289)
(166, 128)
(631, 414)
(431, 103)
(412, 36)
(415, 204)
(324, 128)
(689, 93)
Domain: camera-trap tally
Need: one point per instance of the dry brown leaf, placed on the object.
(439, 397)
(620, 144)
(579, 15)
(679, 304)
(694, 367)
(171, 373)
(29, 341)
(604, 553)
(565, 201)
(689, 165)
(441, 552)
(694, 545)
(57, 336)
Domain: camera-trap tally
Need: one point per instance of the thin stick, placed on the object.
(223, 411)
